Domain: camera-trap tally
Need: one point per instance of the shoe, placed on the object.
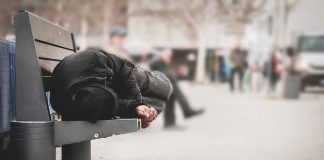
(193, 113)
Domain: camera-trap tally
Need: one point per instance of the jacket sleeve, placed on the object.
(127, 108)
(129, 96)
(155, 87)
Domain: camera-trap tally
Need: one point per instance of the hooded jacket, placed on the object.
(93, 85)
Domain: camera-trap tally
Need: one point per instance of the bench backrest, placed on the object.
(40, 46)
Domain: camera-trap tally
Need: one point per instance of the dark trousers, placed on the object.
(240, 71)
(169, 112)
(273, 81)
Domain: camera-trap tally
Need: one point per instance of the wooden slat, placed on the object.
(48, 65)
(48, 32)
(46, 51)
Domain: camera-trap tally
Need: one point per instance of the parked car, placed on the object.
(310, 48)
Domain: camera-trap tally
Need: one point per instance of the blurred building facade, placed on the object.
(198, 27)
(188, 27)
(91, 21)
(281, 23)
(163, 24)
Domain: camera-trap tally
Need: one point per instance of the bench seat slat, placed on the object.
(54, 34)
(52, 53)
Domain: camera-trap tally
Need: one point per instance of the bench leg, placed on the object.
(77, 151)
(31, 141)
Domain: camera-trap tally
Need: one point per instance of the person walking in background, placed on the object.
(215, 67)
(191, 63)
(238, 65)
(161, 64)
(274, 70)
(117, 38)
(256, 76)
(221, 70)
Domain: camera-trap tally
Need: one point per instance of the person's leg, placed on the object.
(169, 112)
(241, 75)
(232, 79)
(183, 102)
(272, 82)
(187, 110)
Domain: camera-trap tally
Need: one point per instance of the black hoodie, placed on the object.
(93, 85)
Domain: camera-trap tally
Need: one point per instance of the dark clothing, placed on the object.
(274, 72)
(169, 113)
(159, 65)
(239, 64)
(155, 87)
(240, 72)
(221, 74)
(93, 85)
(238, 58)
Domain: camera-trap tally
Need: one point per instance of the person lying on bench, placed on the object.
(95, 85)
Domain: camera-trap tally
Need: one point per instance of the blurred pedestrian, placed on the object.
(215, 67)
(191, 63)
(238, 64)
(212, 66)
(162, 64)
(274, 70)
(117, 38)
(221, 70)
(256, 76)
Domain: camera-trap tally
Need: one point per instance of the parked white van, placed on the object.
(310, 48)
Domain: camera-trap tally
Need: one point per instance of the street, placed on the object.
(235, 126)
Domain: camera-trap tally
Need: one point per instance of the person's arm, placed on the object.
(127, 85)
(155, 87)
(130, 101)
(127, 108)
(133, 109)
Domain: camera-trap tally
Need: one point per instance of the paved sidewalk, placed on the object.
(236, 126)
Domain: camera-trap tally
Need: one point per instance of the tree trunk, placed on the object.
(83, 34)
(201, 58)
(105, 30)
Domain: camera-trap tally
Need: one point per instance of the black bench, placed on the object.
(40, 45)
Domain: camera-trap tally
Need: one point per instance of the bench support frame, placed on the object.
(32, 140)
(35, 140)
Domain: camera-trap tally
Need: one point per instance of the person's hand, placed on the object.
(146, 114)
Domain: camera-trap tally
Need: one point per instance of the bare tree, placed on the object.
(288, 6)
(83, 17)
(241, 12)
(199, 14)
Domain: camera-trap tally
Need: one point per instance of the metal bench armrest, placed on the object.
(67, 132)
